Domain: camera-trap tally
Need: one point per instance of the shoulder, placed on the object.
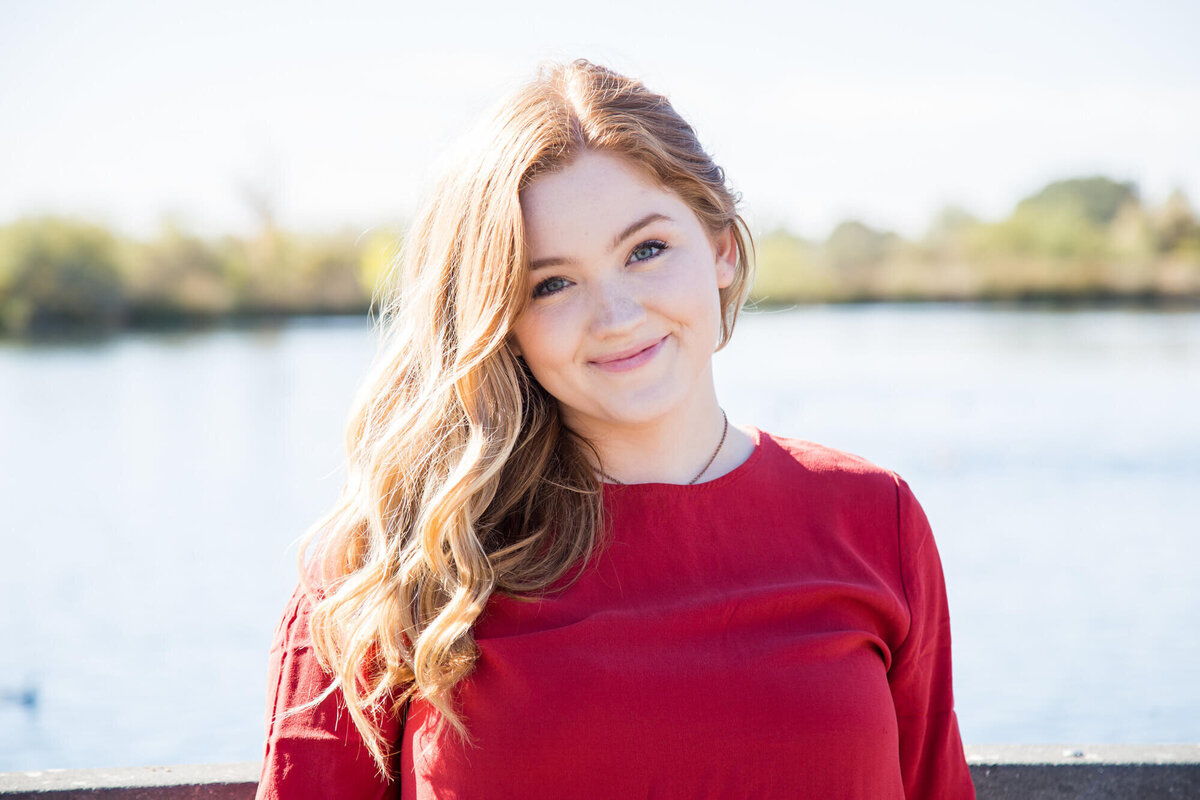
(799, 482)
(850, 488)
(820, 457)
(293, 633)
(871, 507)
(797, 459)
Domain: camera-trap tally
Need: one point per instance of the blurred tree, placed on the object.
(1131, 232)
(327, 269)
(377, 266)
(857, 254)
(789, 269)
(178, 274)
(1096, 200)
(948, 225)
(58, 273)
(947, 236)
(854, 246)
(1175, 225)
(1065, 220)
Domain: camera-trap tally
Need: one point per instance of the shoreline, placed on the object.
(58, 330)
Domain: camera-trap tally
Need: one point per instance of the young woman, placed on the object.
(556, 569)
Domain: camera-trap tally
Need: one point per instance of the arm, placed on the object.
(316, 752)
(931, 753)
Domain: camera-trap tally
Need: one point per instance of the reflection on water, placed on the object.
(153, 484)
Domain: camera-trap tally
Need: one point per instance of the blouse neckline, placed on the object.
(704, 486)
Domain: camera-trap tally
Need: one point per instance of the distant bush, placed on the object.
(790, 270)
(1096, 200)
(179, 274)
(57, 273)
(1175, 227)
(1083, 238)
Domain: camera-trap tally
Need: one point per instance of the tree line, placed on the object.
(1082, 240)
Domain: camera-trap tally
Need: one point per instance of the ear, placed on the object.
(725, 250)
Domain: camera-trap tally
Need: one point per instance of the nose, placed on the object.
(616, 308)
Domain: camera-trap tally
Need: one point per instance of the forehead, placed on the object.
(590, 198)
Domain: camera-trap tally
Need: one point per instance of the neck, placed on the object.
(670, 449)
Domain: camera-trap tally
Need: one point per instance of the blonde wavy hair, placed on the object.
(462, 479)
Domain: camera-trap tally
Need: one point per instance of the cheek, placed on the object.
(691, 296)
(545, 341)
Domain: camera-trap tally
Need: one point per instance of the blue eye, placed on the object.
(647, 250)
(550, 286)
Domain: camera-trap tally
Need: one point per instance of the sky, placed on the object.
(129, 113)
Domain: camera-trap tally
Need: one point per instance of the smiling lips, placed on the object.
(632, 358)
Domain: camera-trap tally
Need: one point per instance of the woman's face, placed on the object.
(624, 312)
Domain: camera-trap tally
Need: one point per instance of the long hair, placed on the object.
(462, 479)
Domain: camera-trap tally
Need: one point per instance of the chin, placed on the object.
(639, 410)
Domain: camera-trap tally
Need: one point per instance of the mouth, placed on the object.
(631, 358)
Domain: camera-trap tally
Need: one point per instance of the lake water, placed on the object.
(152, 486)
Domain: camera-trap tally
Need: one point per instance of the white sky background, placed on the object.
(124, 112)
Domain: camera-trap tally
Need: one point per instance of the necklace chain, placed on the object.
(707, 464)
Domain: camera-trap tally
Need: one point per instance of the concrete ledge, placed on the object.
(1000, 772)
(187, 782)
(1095, 772)
(1073, 755)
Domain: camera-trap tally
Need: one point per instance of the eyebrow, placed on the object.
(554, 261)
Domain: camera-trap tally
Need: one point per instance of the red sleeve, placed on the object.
(931, 752)
(317, 752)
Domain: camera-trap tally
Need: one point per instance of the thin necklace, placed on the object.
(700, 474)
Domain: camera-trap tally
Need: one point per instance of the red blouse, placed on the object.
(780, 631)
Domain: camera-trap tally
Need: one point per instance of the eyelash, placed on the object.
(655, 243)
(542, 290)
